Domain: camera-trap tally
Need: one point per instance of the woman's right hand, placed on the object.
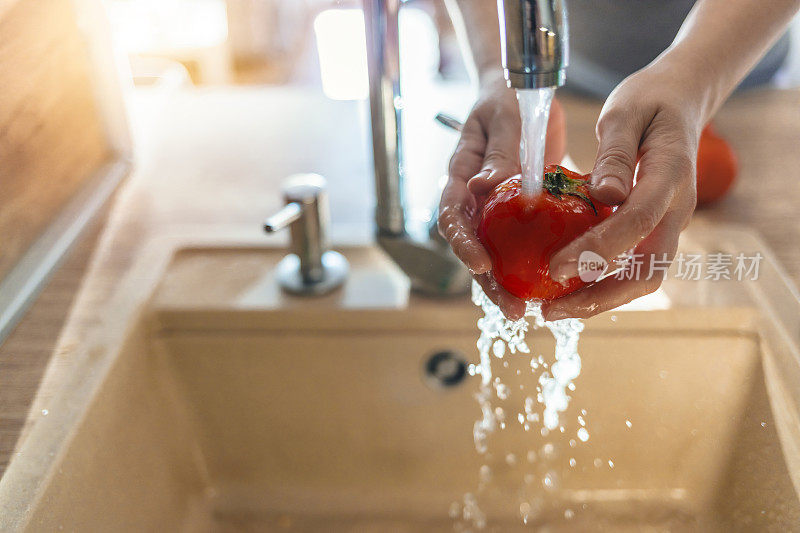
(488, 154)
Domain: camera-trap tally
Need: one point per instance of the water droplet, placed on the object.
(663, 374)
(502, 391)
(572, 443)
(531, 456)
(499, 349)
(610, 463)
(613, 318)
(455, 510)
(45, 412)
(511, 459)
(763, 424)
(569, 514)
(572, 462)
(550, 481)
(597, 463)
(583, 434)
(548, 451)
(628, 423)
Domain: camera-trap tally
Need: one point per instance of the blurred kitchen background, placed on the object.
(314, 48)
(312, 51)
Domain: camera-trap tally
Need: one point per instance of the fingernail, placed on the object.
(515, 315)
(483, 174)
(555, 314)
(479, 269)
(613, 183)
(564, 271)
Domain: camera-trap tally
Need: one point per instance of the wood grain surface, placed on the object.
(51, 136)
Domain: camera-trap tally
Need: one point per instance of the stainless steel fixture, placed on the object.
(428, 262)
(533, 36)
(533, 42)
(311, 268)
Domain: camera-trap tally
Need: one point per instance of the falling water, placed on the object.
(499, 338)
(534, 110)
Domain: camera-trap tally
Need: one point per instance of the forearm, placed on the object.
(478, 33)
(722, 40)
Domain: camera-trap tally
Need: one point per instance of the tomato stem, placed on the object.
(558, 183)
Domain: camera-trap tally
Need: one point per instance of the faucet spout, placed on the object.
(427, 261)
(533, 42)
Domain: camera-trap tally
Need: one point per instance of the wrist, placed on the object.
(491, 79)
(694, 77)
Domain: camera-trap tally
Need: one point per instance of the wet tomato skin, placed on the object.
(521, 233)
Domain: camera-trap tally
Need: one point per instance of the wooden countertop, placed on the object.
(249, 138)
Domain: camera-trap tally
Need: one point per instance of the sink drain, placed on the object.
(445, 368)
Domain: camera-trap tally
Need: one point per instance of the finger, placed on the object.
(455, 225)
(467, 158)
(612, 291)
(501, 157)
(619, 131)
(457, 204)
(663, 174)
(511, 306)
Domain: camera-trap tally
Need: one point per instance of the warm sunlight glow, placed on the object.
(341, 44)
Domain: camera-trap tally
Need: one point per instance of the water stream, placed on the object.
(534, 110)
(501, 339)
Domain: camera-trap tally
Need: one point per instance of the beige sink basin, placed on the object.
(232, 407)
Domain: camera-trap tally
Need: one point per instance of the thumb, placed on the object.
(501, 158)
(612, 176)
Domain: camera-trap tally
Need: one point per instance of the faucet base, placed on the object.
(291, 279)
(432, 267)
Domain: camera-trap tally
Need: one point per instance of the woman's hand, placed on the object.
(654, 117)
(486, 155)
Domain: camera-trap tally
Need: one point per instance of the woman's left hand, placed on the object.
(653, 119)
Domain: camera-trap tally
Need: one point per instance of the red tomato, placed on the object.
(716, 167)
(521, 233)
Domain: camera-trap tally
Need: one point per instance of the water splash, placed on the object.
(534, 111)
(498, 338)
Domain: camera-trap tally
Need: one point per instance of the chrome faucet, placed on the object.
(533, 35)
(424, 257)
(533, 42)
